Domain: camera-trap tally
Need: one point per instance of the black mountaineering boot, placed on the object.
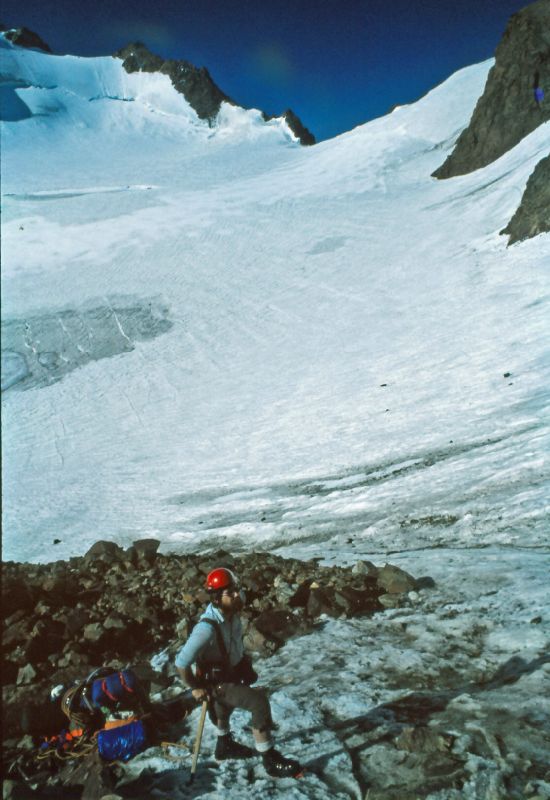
(227, 747)
(278, 766)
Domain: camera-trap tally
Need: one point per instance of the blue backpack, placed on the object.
(122, 743)
(116, 688)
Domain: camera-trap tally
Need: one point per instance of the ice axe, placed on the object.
(198, 741)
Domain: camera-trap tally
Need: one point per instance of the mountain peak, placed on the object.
(298, 128)
(196, 85)
(137, 57)
(24, 37)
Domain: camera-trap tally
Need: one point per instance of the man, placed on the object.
(223, 674)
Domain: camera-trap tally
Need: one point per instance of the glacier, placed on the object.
(297, 281)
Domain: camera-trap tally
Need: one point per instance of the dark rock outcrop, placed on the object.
(196, 85)
(533, 215)
(193, 83)
(507, 111)
(25, 38)
(296, 126)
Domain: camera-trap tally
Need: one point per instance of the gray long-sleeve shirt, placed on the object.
(202, 644)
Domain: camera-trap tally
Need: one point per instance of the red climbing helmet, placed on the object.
(220, 579)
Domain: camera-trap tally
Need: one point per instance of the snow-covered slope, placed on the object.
(58, 92)
(293, 284)
(216, 337)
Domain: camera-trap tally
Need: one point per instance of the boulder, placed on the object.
(359, 601)
(301, 596)
(138, 610)
(394, 580)
(26, 743)
(46, 637)
(57, 588)
(114, 622)
(15, 634)
(146, 547)
(283, 590)
(93, 632)
(277, 624)
(390, 600)
(19, 655)
(320, 601)
(26, 675)
(42, 609)
(76, 621)
(256, 642)
(14, 618)
(364, 568)
(104, 551)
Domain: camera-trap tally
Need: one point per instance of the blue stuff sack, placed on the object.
(119, 687)
(122, 743)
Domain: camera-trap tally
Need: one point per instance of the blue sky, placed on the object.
(336, 63)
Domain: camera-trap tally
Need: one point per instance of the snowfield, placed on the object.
(216, 337)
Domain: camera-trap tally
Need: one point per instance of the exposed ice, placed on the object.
(43, 348)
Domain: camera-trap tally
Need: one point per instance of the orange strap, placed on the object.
(117, 723)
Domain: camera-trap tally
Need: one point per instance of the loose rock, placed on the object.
(26, 675)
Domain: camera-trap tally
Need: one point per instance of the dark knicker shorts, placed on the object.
(228, 696)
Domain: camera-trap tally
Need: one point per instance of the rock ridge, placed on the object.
(196, 85)
(25, 38)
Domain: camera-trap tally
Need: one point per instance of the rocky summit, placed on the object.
(196, 85)
(193, 83)
(25, 38)
(508, 110)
